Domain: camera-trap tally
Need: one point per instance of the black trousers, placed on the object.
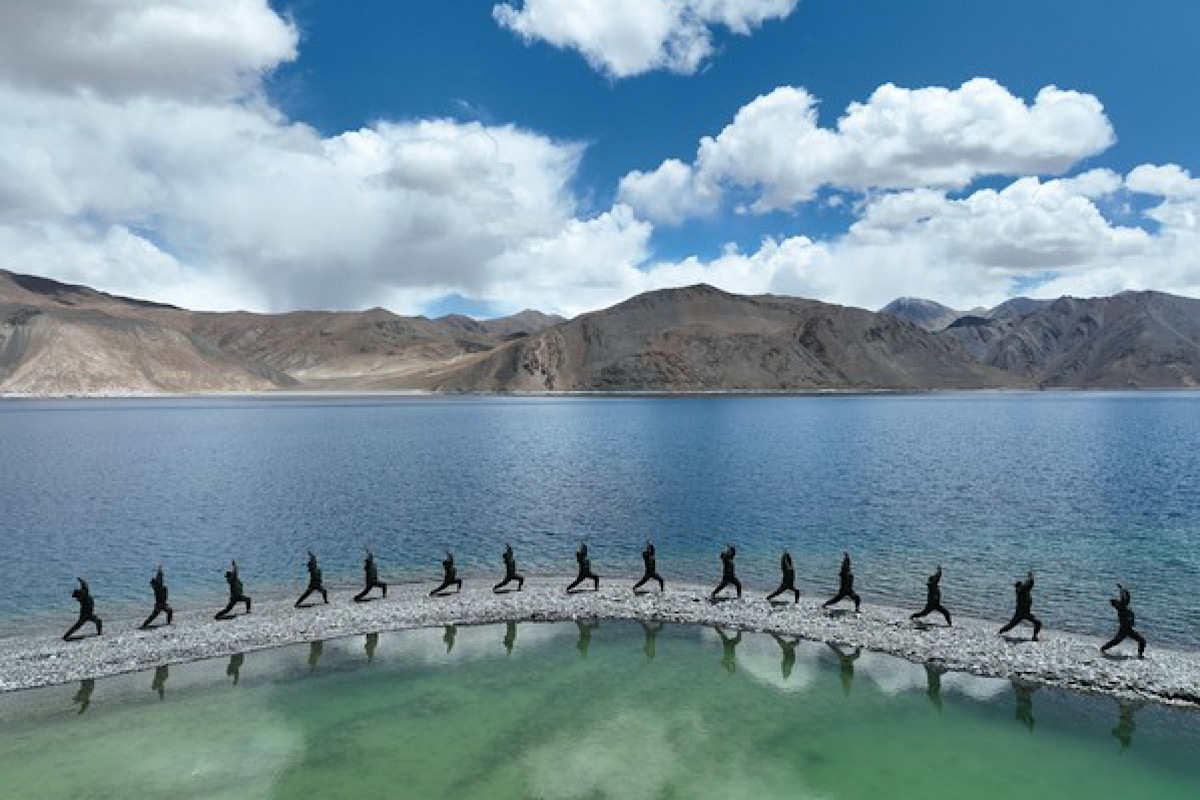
(509, 577)
(843, 594)
(1023, 616)
(651, 575)
(1123, 634)
(586, 575)
(785, 586)
(83, 620)
(233, 601)
(728, 580)
(358, 598)
(930, 608)
(159, 608)
(446, 584)
(319, 588)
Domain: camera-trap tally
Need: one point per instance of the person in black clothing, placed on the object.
(371, 574)
(87, 611)
(585, 570)
(510, 571)
(1124, 623)
(933, 597)
(1024, 612)
(788, 583)
(449, 576)
(728, 576)
(315, 584)
(845, 586)
(236, 593)
(159, 584)
(651, 571)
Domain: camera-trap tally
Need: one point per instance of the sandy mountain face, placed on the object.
(58, 338)
(702, 339)
(1130, 340)
(926, 314)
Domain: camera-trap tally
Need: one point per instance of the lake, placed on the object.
(583, 711)
(1087, 488)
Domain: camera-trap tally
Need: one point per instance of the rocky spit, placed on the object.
(1066, 660)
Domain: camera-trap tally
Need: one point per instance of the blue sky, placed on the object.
(450, 156)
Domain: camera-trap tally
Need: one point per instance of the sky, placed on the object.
(484, 157)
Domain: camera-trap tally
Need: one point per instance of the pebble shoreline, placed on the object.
(1059, 659)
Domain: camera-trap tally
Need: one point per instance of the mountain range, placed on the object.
(62, 339)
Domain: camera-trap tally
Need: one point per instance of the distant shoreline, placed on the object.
(647, 394)
(1065, 660)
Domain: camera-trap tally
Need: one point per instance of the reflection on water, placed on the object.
(773, 716)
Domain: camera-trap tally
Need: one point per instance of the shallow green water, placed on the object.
(606, 712)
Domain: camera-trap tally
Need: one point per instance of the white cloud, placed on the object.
(628, 37)
(776, 149)
(194, 48)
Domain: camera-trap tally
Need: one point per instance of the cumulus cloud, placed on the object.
(194, 48)
(776, 149)
(622, 38)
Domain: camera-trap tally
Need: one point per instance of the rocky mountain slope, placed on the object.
(1130, 340)
(702, 339)
(928, 314)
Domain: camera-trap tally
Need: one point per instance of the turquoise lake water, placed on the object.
(576, 711)
(1086, 488)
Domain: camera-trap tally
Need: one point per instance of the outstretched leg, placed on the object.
(224, 612)
(945, 614)
(857, 601)
(1141, 642)
(1037, 626)
(776, 593)
(153, 616)
(576, 582)
(662, 586)
(1012, 623)
(645, 579)
(299, 602)
(595, 582)
(1113, 642)
(720, 586)
(74, 628)
(246, 600)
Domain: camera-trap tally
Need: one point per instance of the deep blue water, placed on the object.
(1086, 488)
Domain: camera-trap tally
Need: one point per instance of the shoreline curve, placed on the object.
(1059, 659)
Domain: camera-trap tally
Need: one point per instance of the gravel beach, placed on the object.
(1060, 659)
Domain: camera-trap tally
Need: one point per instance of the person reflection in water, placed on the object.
(585, 570)
(1126, 724)
(316, 585)
(788, 649)
(314, 654)
(650, 572)
(87, 611)
(510, 637)
(234, 670)
(846, 665)
(1023, 694)
(448, 635)
(510, 571)
(449, 577)
(585, 635)
(729, 650)
(159, 684)
(650, 646)
(83, 697)
(159, 584)
(371, 579)
(372, 642)
(236, 593)
(933, 684)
